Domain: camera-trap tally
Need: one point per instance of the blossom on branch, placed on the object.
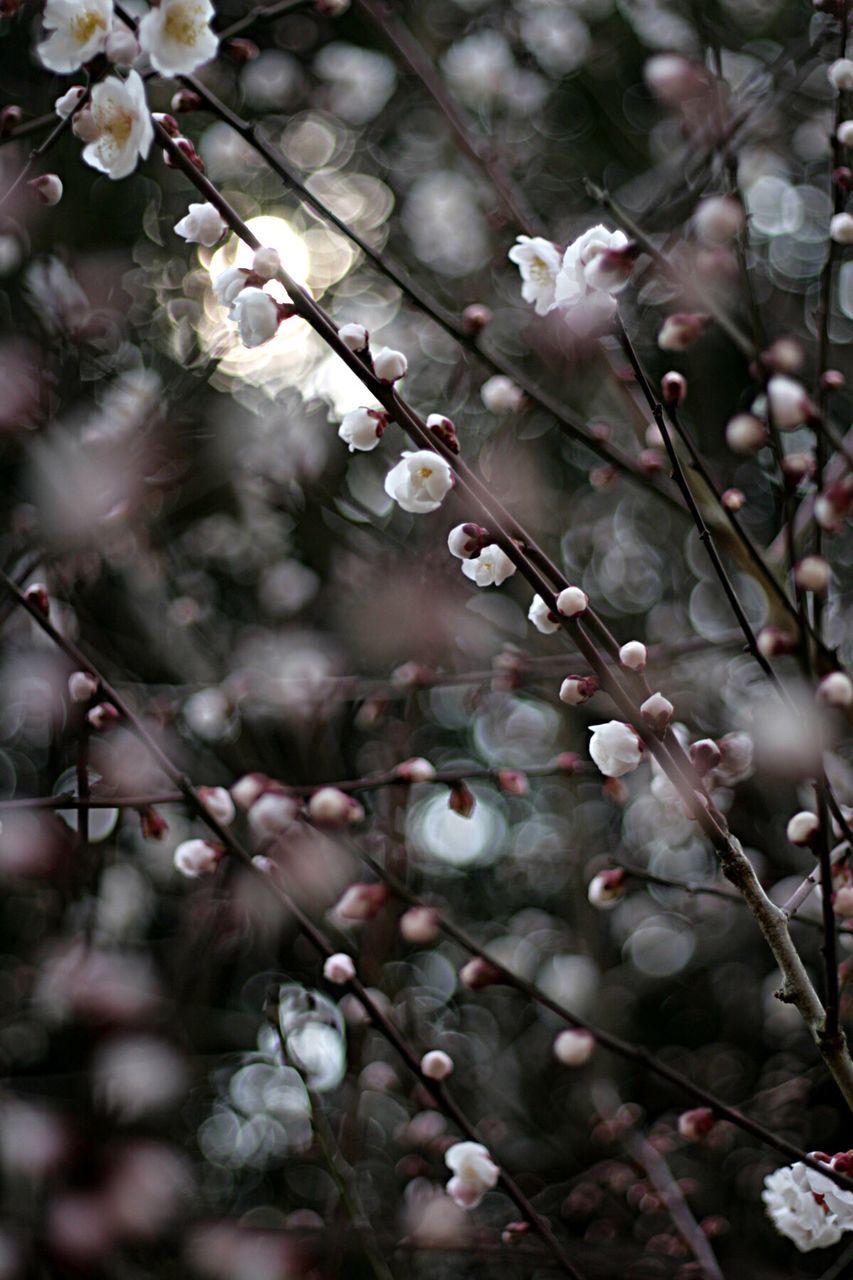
(202, 224)
(539, 262)
(177, 36)
(420, 481)
(615, 747)
(257, 316)
(490, 568)
(474, 1170)
(79, 30)
(125, 131)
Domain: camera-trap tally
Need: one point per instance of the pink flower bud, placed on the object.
(833, 504)
(103, 716)
(167, 123)
(802, 828)
(733, 499)
(10, 117)
(836, 690)
(330, 807)
(36, 595)
(705, 755)
(571, 601)
(467, 540)
(633, 655)
(241, 50)
(568, 762)
(436, 1065)
(420, 924)
(797, 467)
(462, 799)
(785, 355)
(773, 642)
(680, 331)
(673, 388)
(695, 1124)
(273, 813)
(832, 380)
(657, 712)
(218, 802)
(607, 889)
(842, 901)
(82, 686)
(361, 902)
(339, 969)
(574, 1047)
(513, 782)
(246, 790)
(479, 973)
(415, 770)
(185, 100)
(514, 1232)
(152, 824)
(575, 690)
(475, 318)
(673, 79)
(788, 401)
(812, 574)
(745, 433)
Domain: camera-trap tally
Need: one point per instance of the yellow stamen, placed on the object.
(183, 23)
(85, 24)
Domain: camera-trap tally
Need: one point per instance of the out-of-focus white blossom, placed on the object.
(79, 30)
(122, 47)
(800, 1211)
(574, 1047)
(362, 428)
(359, 81)
(202, 224)
(500, 395)
(812, 573)
(332, 808)
(841, 73)
(257, 316)
(228, 286)
(789, 402)
(474, 1170)
(477, 66)
(606, 889)
(841, 228)
(578, 275)
(219, 803)
(836, 690)
(420, 481)
(273, 813)
(490, 568)
(125, 132)
(745, 433)
(177, 36)
(339, 969)
(718, 219)
(436, 1065)
(539, 262)
(615, 747)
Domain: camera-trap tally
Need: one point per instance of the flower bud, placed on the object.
(633, 655)
(390, 365)
(479, 973)
(444, 429)
(241, 50)
(500, 395)
(836, 690)
(36, 595)
(82, 686)
(185, 100)
(718, 219)
(514, 1232)
(745, 433)
(247, 789)
(574, 1047)
(773, 642)
(673, 388)
(844, 133)
(797, 467)
(789, 403)
(354, 337)
(576, 690)
(330, 807)
(673, 79)
(607, 889)
(266, 263)
(832, 380)
(420, 924)
(842, 901)
(680, 331)
(513, 782)
(168, 124)
(218, 802)
(733, 499)
(695, 1124)
(436, 1065)
(841, 228)
(48, 188)
(363, 428)
(812, 574)
(415, 770)
(196, 858)
(802, 828)
(361, 902)
(121, 46)
(273, 813)
(66, 103)
(833, 503)
(568, 761)
(705, 755)
(475, 318)
(467, 540)
(10, 117)
(571, 601)
(841, 74)
(339, 969)
(151, 823)
(462, 799)
(657, 712)
(103, 716)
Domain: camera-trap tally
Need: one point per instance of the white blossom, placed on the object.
(789, 402)
(796, 1213)
(195, 858)
(339, 968)
(836, 690)
(362, 428)
(578, 277)
(490, 568)
(475, 1173)
(539, 261)
(177, 36)
(266, 263)
(79, 30)
(420, 481)
(354, 336)
(256, 314)
(615, 748)
(202, 224)
(273, 813)
(718, 219)
(574, 1047)
(841, 73)
(500, 395)
(477, 66)
(66, 103)
(541, 616)
(389, 365)
(125, 132)
(436, 1065)
(229, 285)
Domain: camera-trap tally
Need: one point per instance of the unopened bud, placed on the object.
(167, 123)
(680, 331)
(420, 924)
(514, 1232)
(354, 337)
(185, 100)
(103, 716)
(657, 712)
(445, 430)
(339, 969)
(240, 49)
(82, 686)
(266, 263)
(832, 380)
(247, 789)
(436, 1065)
(836, 690)
(475, 318)
(571, 601)
(812, 574)
(479, 973)
(606, 889)
(633, 655)
(745, 433)
(695, 1124)
(574, 1047)
(673, 388)
(797, 467)
(718, 219)
(462, 799)
(10, 118)
(415, 770)
(467, 540)
(842, 901)
(576, 690)
(705, 756)
(733, 499)
(802, 828)
(152, 824)
(361, 902)
(47, 188)
(36, 595)
(773, 642)
(513, 782)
